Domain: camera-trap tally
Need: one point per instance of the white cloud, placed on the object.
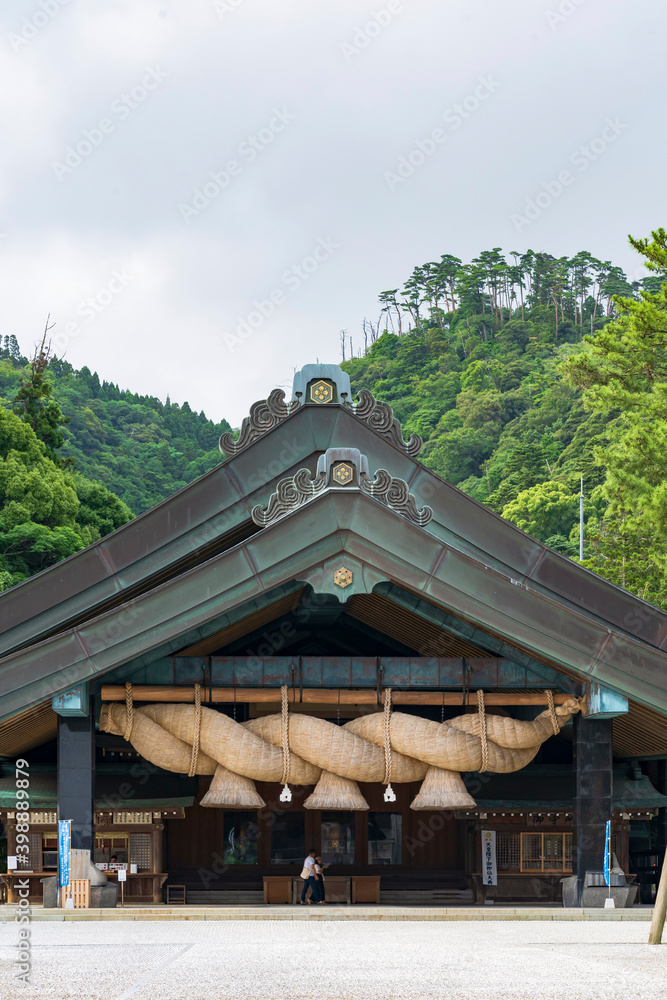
(324, 175)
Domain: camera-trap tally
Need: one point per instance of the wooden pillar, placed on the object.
(76, 777)
(10, 827)
(592, 762)
(157, 854)
(158, 847)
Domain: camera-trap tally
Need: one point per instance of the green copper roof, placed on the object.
(169, 577)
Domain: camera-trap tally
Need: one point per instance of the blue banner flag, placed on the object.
(607, 853)
(64, 845)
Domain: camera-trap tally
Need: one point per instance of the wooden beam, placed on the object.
(325, 696)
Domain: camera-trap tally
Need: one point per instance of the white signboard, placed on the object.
(122, 875)
(489, 869)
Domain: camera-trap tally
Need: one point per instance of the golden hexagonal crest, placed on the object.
(343, 473)
(343, 577)
(321, 392)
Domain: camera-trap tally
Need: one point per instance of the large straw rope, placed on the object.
(165, 734)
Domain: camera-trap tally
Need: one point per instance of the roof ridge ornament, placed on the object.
(395, 494)
(264, 415)
(380, 416)
(291, 493)
(319, 384)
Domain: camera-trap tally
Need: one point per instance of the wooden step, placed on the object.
(426, 897)
(231, 897)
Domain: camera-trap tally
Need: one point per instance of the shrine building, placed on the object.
(322, 644)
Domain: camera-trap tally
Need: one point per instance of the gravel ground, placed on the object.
(327, 960)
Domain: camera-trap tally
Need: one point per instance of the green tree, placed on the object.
(33, 402)
(544, 510)
(46, 512)
(623, 371)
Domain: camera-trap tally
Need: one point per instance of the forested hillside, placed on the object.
(521, 375)
(141, 449)
(80, 457)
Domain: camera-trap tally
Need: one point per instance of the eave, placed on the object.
(306, 547)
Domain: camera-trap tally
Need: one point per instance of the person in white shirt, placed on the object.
(311, 882)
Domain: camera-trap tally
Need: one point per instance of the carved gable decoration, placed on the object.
(264, 416)
(395, 493)
(336, 468)
(380, 417)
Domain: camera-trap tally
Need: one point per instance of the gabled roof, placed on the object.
(198, 562)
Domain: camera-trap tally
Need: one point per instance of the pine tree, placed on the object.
(624, 371)
(33, 402)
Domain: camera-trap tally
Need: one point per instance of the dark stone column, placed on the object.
(76, 776)
(592, 761)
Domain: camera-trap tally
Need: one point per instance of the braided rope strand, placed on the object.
(386, 730)
(552, 712)
(284, 730)
(129, 710)
(481, 709)
(197, 733)
(389, 793)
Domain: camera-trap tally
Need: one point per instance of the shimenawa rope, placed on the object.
(371, 748)
(481, 708)
(552, 712)
(285, 795)
(129, 709)
(197, 733)
(389, 794)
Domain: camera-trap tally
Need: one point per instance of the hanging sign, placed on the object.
(64, 845)
(489, 869)
(607, 853)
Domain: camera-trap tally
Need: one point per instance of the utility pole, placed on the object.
(581, 520)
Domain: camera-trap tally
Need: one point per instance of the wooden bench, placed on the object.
(339, 888)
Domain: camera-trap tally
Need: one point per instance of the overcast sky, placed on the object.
(317, 121)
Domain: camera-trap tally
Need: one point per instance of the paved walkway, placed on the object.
(329, 960)
(363, 912)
